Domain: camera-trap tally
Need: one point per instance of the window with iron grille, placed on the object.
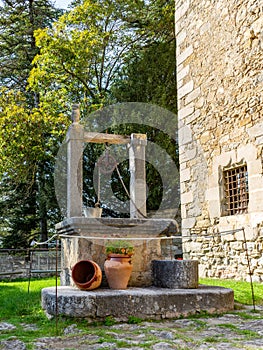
(236, 190)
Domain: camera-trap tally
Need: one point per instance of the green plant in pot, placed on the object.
(119, 247)
(118, 265)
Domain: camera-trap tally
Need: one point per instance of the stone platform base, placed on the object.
(145, 303)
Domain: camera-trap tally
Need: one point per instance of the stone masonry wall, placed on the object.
(39, 264)
(220, 102)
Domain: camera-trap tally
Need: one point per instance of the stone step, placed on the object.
(145, 303)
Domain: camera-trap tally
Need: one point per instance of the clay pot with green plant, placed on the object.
(118, 265)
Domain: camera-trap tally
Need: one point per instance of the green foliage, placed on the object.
(19, 223)
(119, 247)
(242, 289)
(18, 20)
(134, 320)
(29, 139)
(249, 333)
(212, 339)
(29, 134)
(82, 52)
(109, 321)
(21, 308)
(149, 77)
(153, 177)
(98, 53)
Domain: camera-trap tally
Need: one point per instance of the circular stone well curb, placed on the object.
(145, 303)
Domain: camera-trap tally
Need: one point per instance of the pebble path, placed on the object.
(241, 329)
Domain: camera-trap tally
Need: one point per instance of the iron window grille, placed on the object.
(236, 190)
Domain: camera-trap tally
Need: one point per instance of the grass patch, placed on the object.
(242, 290)
(21, 308)
(200, 324)
(134, 320)
(248, 333)
(109, 321)
(249, 316)
(211, 339)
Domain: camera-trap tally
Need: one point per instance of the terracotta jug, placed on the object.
(118, 269)
(87, 275)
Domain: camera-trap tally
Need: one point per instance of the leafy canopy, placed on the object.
(83, 51)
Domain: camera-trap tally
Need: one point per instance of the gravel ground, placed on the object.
(237, 330)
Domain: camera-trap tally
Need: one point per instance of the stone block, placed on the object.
(248, 153)
(187, 197)
(255, 204)
(178, 27)
(180, 83)
(212, 194)
(224, 139)
(259, 141)
(180, 38)
(255, 167)
(185, 135)
(181, 10)
(183, 211)
(255, 131)
(182, 73)
(185, 54)
(245, 121)
(239, 246)
(193, 96)
(224, 159)
(188, 154)
(185, 112)
(185, 89)
(185, 175)
(255, 183)
(175, 273)
(189, 119)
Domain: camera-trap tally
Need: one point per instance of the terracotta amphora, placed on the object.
(118, 269)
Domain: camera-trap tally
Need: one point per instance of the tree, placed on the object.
(110, 51)
(150, 75)
(83, 51)
(29, 135)
(18, 21)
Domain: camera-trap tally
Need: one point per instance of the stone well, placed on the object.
(84, 238)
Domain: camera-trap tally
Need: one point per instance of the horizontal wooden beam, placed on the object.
(95, 137)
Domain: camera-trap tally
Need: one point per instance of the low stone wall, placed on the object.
(22, 263)
(225, 255)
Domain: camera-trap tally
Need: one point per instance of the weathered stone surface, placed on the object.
(146, 303)
(233, 330)
(118, 226)
(84, 238)
(220, 100)
(19, 265)
(12, 344)
(4, 326)
(175, 273)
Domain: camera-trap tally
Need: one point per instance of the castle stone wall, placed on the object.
(220, 101)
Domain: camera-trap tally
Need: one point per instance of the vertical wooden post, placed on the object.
(137, 176)
(75, 144)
